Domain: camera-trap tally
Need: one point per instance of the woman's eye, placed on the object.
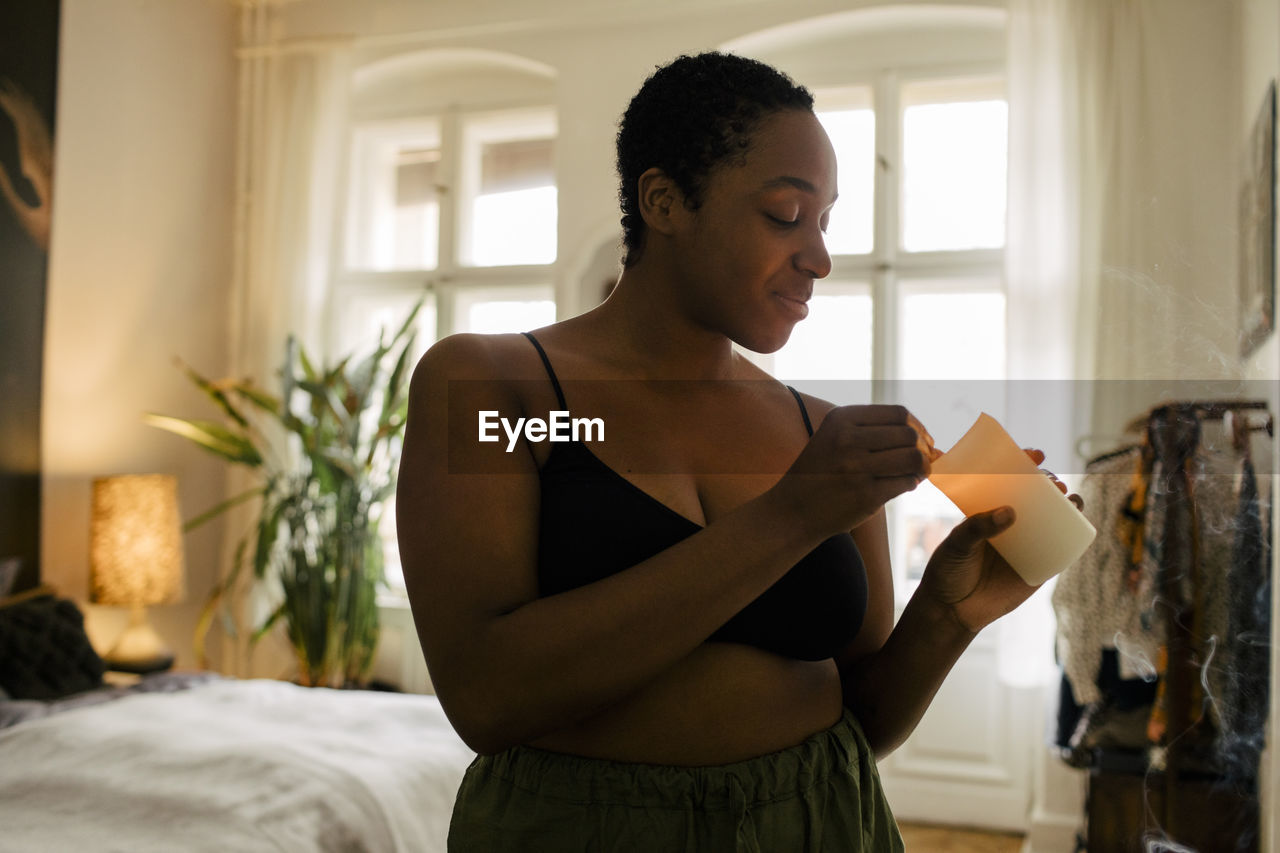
(781, 220)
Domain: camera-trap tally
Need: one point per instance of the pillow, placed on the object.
(9, 567)
(44, 651)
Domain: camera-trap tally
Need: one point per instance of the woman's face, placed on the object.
(752, 251)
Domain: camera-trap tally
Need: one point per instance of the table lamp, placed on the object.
(136, 560)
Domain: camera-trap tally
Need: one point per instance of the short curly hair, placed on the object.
(690, 116)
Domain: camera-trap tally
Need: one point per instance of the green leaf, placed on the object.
(308, 371)
(325, 402)
(360, 382)
(408, 327)
(211, 605)
(340, 461)
(268, 530)
(214, 437)
(268, 625)
(255, 395)
(215, 392)
(395, 384)
(222, 507)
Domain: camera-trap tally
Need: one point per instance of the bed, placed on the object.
(196, 761)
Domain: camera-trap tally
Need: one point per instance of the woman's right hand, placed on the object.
(858, 459)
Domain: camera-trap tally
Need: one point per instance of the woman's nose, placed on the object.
(813, 258)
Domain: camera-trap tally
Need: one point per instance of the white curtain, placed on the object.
(1046, 258)
(294, 115)
(297, 116)
(1122, 160)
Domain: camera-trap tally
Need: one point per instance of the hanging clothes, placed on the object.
(1191, 526)
(1095, 607)
(1245, 703)
(1183, 539)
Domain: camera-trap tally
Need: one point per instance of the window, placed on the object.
(488, 178)
(509, 189)
(954, 155)
(394, 222)
(850, 120)
(492, 310)
(455, 201)
(916, 298)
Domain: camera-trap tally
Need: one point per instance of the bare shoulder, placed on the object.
(817, 408)
(469, 355)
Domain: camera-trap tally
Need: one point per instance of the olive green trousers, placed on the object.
(822, 796)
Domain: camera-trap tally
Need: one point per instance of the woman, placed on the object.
(681, 637)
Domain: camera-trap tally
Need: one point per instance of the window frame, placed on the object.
(450, 275)
(448, 285)
(889, 266)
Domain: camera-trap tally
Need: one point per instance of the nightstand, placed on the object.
(111, 678)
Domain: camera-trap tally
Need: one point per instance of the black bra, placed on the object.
(595, 523)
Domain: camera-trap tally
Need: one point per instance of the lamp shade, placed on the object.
(135, 548)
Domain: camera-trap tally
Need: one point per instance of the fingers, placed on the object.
(885, 437)
(883, 427)
(925, 439)
(873, 415)
(900, 462)
(982, 526)
(885, 489)
(1062, 487)
(876, 452)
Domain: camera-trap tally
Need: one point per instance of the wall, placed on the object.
(1260, 65)
(139, 271)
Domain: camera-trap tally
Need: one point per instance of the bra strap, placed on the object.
(555, 383)
(804, 413)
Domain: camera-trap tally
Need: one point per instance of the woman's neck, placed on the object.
(649, 327)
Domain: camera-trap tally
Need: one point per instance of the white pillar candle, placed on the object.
(986, 469)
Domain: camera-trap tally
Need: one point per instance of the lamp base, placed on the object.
(139, 649)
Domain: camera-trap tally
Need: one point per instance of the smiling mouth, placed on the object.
(798, 307)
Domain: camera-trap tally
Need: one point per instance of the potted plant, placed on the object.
(325, 454)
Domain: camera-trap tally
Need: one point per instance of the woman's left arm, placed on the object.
(890, 673)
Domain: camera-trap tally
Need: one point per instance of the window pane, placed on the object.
(496, 311)
(517, 227)
(394, 203)
(415, 244)
(954, 153)
(921, 520)
(850, 123)
(510, 202)
(833, 342)
(950, 335)
(952, 356)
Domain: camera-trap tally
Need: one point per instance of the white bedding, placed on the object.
(233, 766)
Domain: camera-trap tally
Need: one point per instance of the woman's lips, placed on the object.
(797, 306)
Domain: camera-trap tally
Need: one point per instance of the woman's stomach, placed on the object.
(722, 703)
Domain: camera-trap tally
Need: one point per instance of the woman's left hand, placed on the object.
(968, 577)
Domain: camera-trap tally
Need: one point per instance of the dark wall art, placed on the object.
(1258, 231)
(28, 92)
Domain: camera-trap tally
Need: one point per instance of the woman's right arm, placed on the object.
(509, 666)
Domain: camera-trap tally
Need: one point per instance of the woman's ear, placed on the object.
(661, 202)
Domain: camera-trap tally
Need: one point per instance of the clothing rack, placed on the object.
(1176, 799)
